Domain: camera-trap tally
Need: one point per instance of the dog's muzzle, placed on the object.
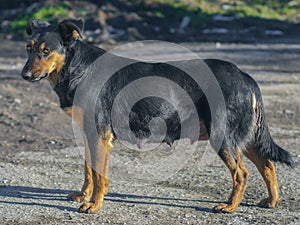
(28, 76)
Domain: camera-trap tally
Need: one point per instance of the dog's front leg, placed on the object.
(86, 192)
(100, 155)
(76, 113)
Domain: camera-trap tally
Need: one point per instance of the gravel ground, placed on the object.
(40, 163)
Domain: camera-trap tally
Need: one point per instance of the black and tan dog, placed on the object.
(55, 52)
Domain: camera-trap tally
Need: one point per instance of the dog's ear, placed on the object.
(35, 24)
(70, 30)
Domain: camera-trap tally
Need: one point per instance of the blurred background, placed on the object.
(112, 21)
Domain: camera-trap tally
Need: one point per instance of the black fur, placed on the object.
(244, 126)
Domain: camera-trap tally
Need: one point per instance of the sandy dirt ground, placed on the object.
(40, 163)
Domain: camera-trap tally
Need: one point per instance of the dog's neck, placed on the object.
(77, 60)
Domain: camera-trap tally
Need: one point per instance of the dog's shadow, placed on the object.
(47, 198)
(22, 195)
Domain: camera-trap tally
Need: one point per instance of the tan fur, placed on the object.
(267, 170)
(75, 34)
(68, 111)
(42, 46)
(76, 113)
(239, 175)
(254, 102)
(96, 181)
(254, 120)
(100, 173)
(86, 192)
(30, 45)
(52, 65)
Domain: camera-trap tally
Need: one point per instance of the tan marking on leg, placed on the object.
(86, 192)
(239, 175)
(87, 189)
(68, 111)
(268, 172)
(100, 174)
(76, 114)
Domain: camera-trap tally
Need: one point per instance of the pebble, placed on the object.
(5, 181)
(17, 100)
(288, 112)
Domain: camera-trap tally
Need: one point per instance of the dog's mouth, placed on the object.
(39, 78)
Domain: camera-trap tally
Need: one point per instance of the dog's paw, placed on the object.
(268, 203)
(78, 197)
(89, 207)
(225, 208)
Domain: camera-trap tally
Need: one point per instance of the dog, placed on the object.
(57, 53)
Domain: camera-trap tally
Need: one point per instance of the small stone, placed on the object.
(5, 181)
(17, 100)
(288, 112)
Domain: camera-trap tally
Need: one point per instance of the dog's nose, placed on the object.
(26, 75)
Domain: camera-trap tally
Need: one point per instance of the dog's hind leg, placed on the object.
(267, 170)
(239, 174)
(100, 161)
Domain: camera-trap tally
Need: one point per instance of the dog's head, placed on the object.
(46, 48)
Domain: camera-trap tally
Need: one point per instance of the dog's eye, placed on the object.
(46, 51)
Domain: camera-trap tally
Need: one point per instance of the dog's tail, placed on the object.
(264, 143)
(278, 154)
